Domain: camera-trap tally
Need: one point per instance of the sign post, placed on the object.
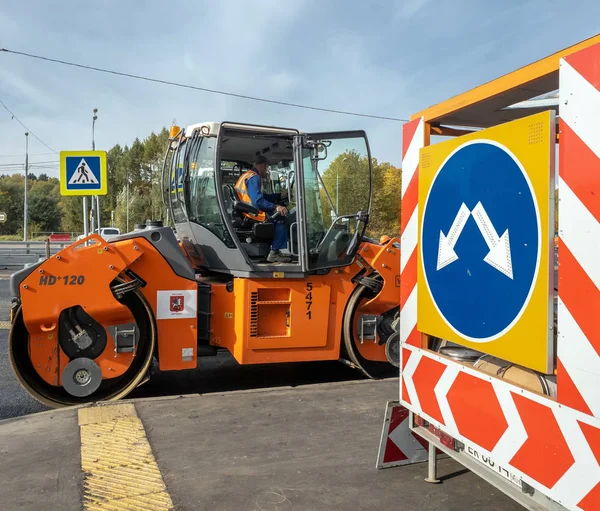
(83, 173)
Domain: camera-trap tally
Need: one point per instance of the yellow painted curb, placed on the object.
(120, 470)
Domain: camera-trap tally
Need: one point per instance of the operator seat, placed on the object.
(255, 237)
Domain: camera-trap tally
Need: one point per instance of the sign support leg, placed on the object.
(85, 215)
(98, 216)
(432, 465)
(93, 222)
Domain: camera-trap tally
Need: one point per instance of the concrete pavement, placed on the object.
(311, 447)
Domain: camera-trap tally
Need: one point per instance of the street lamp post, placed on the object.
(86, 229)
(93, 129)
(25, 209)
(96, 199)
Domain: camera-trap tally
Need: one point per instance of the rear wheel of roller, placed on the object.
(369, 368)
(109, 389)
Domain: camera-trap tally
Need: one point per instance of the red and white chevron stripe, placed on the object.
(553, 448)
(578, 374)
(399, 445)
(414, 138)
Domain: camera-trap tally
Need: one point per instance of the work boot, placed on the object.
(275, 256)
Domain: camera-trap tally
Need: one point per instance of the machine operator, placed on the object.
(248, 189)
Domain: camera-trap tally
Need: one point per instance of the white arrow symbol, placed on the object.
(499, 255)
(446, 253)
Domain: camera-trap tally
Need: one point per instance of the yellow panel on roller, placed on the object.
(486, 209)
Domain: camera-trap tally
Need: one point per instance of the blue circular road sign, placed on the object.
(480, 240)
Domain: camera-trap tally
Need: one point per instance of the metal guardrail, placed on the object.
(16, 254)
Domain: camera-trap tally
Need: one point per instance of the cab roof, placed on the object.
(490, 104)
(213, 128)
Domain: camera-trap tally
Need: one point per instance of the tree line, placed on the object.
(347, 182)
(44, 204)
(139, 164)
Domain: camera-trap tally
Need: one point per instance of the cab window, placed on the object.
(203, 204)
(337, 190)
(238, 149)
(176, 183)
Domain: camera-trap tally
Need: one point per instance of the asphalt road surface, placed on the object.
(214, 374)
(14, 401)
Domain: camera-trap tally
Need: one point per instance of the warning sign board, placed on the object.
(485, 222)
(83, 173)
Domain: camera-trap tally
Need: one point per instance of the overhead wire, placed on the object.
(18, 155)
(21, 168)
(31, 164)
(28, 129)
(203, 89)
(50, 162)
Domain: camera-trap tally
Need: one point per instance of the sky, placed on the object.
(387, 58)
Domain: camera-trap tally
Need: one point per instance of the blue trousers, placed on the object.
(280, 239)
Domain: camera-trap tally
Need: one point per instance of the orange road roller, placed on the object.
(276, 271)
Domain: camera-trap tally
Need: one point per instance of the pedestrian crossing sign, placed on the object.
(83, 173)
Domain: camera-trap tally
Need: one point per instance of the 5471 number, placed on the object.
(308, 298)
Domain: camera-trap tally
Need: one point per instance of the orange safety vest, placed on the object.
(241, 188)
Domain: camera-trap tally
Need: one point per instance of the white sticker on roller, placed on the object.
(175, 304)
(187, 354)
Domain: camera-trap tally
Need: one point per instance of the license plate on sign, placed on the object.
(485, 460)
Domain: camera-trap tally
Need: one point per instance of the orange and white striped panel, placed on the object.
(553, 448)
(414, 137)
(578, 367)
